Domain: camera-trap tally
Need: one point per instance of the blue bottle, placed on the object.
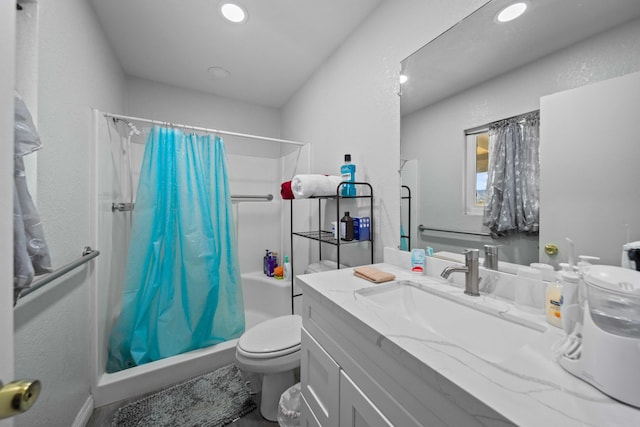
(348, 172)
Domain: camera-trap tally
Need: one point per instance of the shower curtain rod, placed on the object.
(201, 129)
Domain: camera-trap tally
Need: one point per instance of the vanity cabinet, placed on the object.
(351, 375)
(337, 386)
(330, 397)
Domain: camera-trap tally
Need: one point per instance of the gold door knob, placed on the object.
(18, 396)
(550, 249)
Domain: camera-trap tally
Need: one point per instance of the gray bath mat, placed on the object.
(213, 399)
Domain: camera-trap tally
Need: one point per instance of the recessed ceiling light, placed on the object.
(218, 73)
(233, 12)
(403, 78)
(511, 12)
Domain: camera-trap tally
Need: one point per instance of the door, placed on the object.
(589, 155)
(7, 79)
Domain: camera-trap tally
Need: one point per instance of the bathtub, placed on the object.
(264, 298)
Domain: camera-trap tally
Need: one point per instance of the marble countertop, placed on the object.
(529, 388)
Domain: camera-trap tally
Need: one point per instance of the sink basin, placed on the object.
(480, 325)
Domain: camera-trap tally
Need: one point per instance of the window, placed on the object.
(476, 170)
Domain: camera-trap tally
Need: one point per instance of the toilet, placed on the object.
(272, 348)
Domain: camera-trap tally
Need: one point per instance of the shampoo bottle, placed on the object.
(348, 172)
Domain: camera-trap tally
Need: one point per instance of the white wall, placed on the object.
(435, 135)
(350, 104)
(76, 71)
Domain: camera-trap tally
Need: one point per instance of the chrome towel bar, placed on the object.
(87, 255)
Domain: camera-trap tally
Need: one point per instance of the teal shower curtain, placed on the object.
(182, 285)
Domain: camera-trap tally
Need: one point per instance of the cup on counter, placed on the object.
(530, 290)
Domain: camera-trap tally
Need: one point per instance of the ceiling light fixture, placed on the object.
(233, 12)
(403, 78)
(511, 12)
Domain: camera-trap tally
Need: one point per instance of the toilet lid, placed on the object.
(273, 336)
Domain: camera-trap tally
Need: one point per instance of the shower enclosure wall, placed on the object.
(255, 168)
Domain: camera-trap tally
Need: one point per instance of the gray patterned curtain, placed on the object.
(512, 198)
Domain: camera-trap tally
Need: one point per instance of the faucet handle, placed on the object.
(471, 254)
(491, 249)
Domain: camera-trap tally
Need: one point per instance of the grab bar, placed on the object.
(87, 255)
(422, 228)
(251, 198)
(127, 207)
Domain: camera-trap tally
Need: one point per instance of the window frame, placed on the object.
(470, 170)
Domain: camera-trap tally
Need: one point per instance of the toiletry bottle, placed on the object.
(287, 268)
(265, 262)
(553, 297)
(271, 264)
(346, 227)
(417, 261)
(348, 172)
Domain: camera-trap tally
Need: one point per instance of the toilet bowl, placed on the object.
(272, 348)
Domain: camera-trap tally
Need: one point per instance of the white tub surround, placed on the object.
(358, 359)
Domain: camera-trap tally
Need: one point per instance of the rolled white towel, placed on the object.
(304, 186)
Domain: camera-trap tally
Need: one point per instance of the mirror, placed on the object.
(481, 71)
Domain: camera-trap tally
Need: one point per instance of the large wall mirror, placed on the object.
(575, 62)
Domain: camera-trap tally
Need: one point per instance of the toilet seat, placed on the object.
(273, 338)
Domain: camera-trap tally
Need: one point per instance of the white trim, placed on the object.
(84, 414)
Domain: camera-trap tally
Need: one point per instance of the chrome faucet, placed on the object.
(470, 270)
(491, 257)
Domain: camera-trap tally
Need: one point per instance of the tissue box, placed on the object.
(362, 228)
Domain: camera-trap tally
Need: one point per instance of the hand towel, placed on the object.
(285, 191)
(304, 186)
(372, 274)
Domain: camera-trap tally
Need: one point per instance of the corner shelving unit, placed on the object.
(326, 237)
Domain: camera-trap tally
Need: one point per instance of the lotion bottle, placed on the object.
(553, 301)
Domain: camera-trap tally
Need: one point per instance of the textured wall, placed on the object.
(351, 103)
(76, 71)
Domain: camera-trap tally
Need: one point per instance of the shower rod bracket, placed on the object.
(122, 207)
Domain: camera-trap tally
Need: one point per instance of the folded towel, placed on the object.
(372, 274)
(304, 186)
(285, 191)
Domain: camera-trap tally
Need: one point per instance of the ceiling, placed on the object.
(269, 57)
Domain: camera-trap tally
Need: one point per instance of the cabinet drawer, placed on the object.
(320, 381)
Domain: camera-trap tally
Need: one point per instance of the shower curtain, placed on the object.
(182, 283)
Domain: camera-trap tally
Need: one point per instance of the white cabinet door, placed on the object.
(307, 418)
(356, 410)
(320, 382)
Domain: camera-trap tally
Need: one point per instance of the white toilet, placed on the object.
(272, 348)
